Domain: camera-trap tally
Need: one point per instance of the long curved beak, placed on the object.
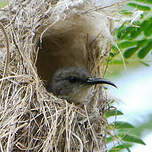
(93, 81)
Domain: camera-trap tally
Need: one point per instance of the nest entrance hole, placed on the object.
(66, 44)
(64, 47)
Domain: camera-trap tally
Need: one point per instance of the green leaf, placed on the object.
(112, 54)
(116, 61)
(144, 63)
(130, 32)
(126, 44)
(129, 52)
(145, 24)
(111, 113)
(121, 125)
(128, 149)
(148, 30)
(145, 50)
(124, 32)
(127, 138)
(141, 43)
(109, 139)
(134, 34)
(120, 147)
(130, 138)
(119, 33)
(139, 7)
(145, 1)
(125, 12)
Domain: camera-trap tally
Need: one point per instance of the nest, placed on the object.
(37, 38)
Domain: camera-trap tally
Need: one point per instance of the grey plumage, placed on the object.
(73, 84)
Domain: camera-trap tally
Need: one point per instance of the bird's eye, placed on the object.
(72, 79)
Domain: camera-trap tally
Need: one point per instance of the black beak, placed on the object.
(93, 81)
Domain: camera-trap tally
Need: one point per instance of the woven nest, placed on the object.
(37, 38)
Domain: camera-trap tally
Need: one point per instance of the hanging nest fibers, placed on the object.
(38, 37)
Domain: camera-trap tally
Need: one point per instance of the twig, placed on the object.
(100, 7)
(8, 54)
(93, 133)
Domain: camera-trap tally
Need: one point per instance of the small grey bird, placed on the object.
(73, 84)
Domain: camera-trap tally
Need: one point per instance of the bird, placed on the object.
(73, 84)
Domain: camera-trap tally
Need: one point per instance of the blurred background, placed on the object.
(130, 67)
(134, 95)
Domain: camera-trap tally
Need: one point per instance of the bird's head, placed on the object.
(73, 83)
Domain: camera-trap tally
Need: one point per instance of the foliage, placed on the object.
(124, 140)
(134, 37)
(134, 41)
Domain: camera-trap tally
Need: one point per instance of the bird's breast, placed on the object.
(79, 96)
